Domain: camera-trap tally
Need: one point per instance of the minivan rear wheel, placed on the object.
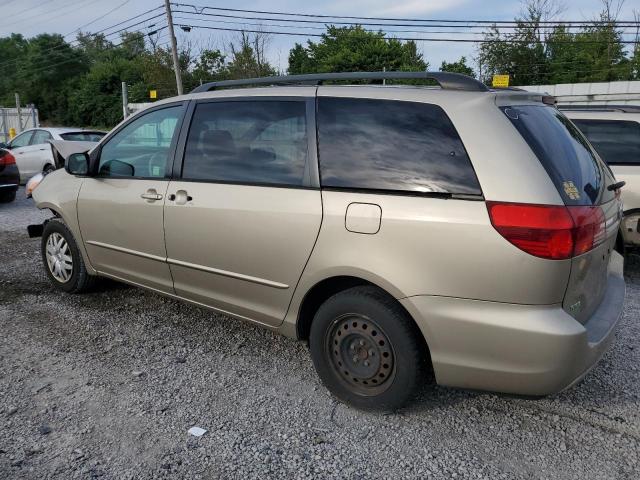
(367, 350)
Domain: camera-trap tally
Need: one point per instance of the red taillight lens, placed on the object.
(589, 231)
(7, 159)
(549, 231)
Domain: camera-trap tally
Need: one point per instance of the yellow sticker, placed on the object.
(153, 94)
(570, 189)
(500, 81)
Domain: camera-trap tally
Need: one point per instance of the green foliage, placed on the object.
(354, 49)
(458, 67)
(533, 54)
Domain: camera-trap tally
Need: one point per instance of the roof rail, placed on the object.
(446, 80)
(601, 108)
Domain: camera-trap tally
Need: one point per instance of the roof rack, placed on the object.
(446, 80)
(602, 108)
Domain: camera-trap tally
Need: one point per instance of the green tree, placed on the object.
(354, 49)
(458, 67)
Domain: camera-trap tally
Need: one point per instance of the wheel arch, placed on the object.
(326, 288)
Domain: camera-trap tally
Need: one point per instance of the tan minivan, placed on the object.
(400, 230)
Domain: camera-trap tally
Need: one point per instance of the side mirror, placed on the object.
(6, 146)
(77, 164)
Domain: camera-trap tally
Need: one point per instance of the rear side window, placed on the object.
(83, 136)
(617, 142)
(563, 151)
(391, 145)
(256, 142)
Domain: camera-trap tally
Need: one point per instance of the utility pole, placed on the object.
(19, 112)
(125, 100)
(174, 47)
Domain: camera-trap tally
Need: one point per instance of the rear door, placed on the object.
(41, 155)
(120, 210)
(582, 179)
(242, 217)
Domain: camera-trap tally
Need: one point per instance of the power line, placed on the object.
(18, 60)
(413, 25)
(324, 28)
(488, 22)
(73, 4)
(124, 42)
(411, 39)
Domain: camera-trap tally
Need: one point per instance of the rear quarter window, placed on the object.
(617, 141)
(391, 146)
(579, 176)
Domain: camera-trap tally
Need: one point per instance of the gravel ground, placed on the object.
(107, 385)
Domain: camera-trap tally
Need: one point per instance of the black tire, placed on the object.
(383, 335)
(7, 197)
(48, 168)
(80, 281)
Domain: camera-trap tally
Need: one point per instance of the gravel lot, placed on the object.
(107, 385)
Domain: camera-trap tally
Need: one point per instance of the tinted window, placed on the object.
(248, 142)
(22, 140)
(141, 148)
(617, 142)
(40, 137)
(83, 136)
(388, 145)
(563, 151)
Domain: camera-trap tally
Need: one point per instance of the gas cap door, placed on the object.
(363, 218)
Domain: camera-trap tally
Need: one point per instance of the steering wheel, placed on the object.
(157, 161)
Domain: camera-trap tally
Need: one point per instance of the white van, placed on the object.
(614, 131)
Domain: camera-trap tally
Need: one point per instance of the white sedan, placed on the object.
(32, 150)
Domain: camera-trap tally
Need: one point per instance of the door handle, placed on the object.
(151, 195)
(180, 197)
(42, 149)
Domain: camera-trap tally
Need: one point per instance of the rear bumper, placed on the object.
(522, 349)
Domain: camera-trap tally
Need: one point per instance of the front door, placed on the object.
(23, 151)
(120, 210)
(242, 220)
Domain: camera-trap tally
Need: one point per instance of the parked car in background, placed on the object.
(399, 229)
(614, 131)
(32, 151)
(60, 150)
(9, 176)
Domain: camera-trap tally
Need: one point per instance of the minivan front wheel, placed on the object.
(62, 259)
(367, 350)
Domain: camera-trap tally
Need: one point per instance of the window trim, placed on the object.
(410, 193)
(97, 153)
(311, 169)
(608, 120)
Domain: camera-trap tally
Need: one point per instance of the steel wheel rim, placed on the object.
(59, 259)
(361, 355)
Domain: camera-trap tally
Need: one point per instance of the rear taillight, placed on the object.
(7, 159)
(549, 231)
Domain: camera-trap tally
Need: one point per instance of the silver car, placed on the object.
(402, 231)
(33, 153)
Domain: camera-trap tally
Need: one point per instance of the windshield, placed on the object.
(564, 152)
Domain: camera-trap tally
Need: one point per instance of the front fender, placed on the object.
(58, 192)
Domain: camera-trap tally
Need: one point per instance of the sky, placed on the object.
(31, 17)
